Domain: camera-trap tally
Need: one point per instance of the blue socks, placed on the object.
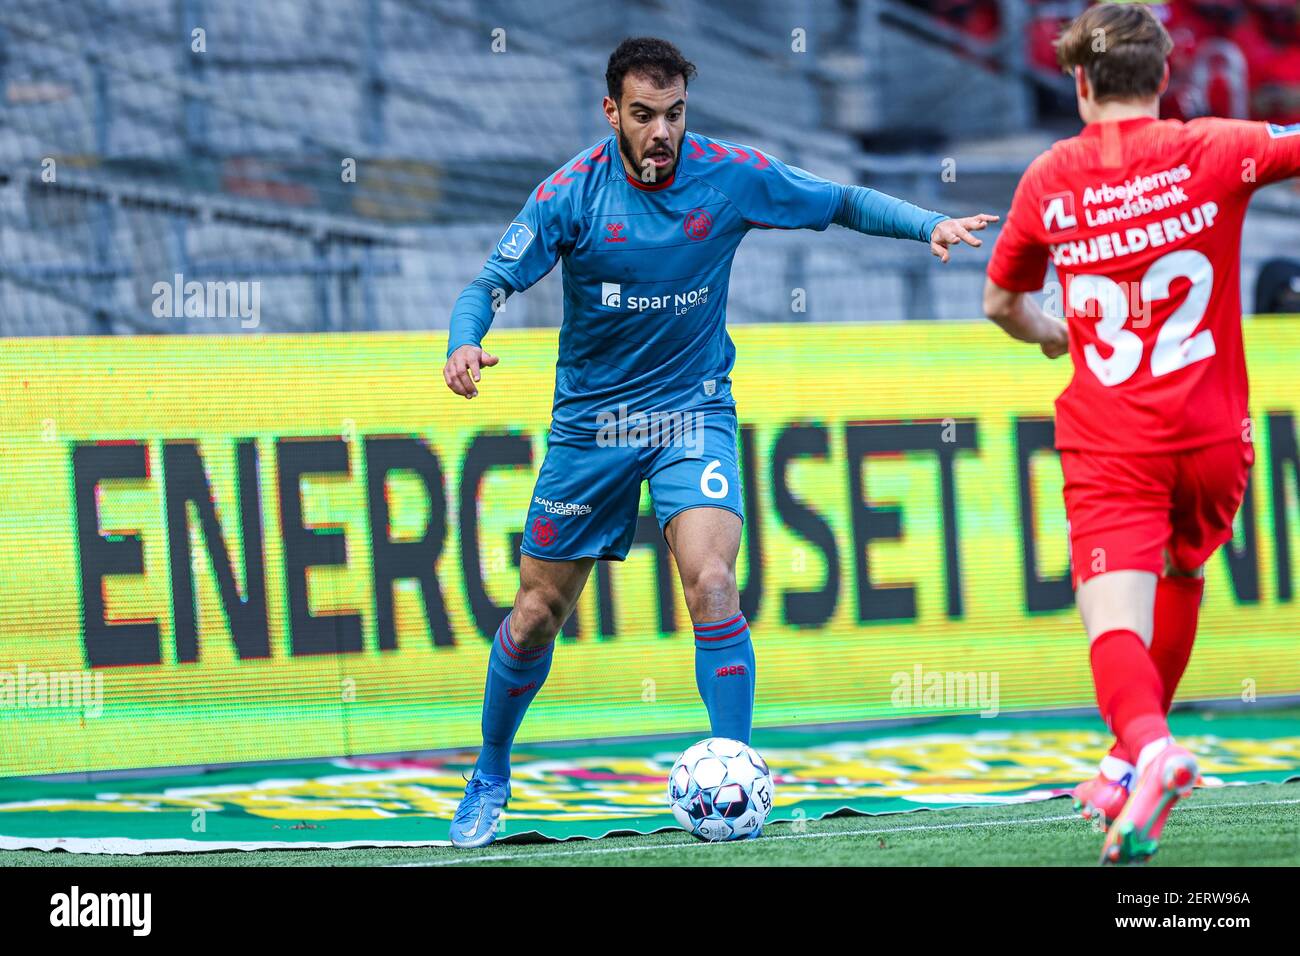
(515, 675)
(724, 673)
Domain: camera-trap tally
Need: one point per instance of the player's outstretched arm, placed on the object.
(950, 232)
(875, 213)
(1024, 319)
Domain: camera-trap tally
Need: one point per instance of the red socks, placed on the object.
(1129, 689)
(1178, 605)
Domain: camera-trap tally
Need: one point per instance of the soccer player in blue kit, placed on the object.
(647, 222)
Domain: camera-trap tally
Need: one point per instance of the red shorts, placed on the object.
(1124, 512)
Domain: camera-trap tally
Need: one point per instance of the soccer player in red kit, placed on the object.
(1142, 218)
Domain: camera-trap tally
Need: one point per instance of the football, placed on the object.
(720, 789)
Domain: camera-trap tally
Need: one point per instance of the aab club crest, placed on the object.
(543, 532)
(698, 223)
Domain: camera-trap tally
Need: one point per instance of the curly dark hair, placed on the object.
(656, 59)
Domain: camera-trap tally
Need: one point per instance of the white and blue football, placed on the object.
(720, 789)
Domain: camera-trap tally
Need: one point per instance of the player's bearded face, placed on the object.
(652, 124)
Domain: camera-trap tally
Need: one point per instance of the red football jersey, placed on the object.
(1142, 219)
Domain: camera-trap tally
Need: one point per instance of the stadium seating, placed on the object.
(144, 138)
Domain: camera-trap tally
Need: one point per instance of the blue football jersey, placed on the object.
(646, 268)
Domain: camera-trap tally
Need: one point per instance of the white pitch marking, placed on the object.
(807, 836)
(701, 844)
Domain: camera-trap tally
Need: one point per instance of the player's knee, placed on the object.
(711, 592)
(536, 617)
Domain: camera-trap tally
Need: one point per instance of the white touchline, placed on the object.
(477, 858)
(701, 844)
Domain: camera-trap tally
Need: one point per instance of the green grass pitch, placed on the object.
(1256, 825)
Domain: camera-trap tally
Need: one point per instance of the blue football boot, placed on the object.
(475, 822)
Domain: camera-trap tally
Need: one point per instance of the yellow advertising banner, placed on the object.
(219, 549)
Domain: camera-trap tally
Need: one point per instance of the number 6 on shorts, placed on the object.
(712, 482)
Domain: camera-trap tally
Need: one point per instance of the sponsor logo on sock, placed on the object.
(520, 691)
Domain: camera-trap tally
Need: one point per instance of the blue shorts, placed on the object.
(588, 495)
